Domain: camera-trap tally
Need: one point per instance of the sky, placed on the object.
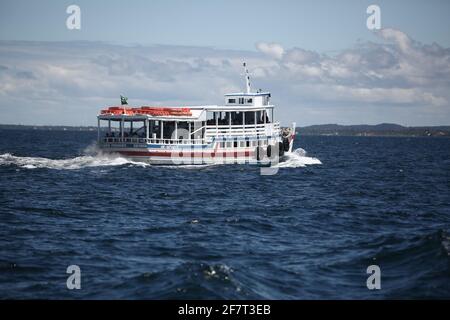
(318, 58)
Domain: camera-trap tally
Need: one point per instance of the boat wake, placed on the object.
(296, 159)
(80, 162)
(94, 158)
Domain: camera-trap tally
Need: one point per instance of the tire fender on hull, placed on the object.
(286, 144)
(280, 149)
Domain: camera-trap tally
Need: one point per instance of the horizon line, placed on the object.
(297, 126)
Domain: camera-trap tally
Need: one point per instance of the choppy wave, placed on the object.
(147, 233)
(188, 280)
(66, 164)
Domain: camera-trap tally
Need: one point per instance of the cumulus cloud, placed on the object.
(301, 56)
(398, 71)
(394, 79)
(273, 50)
(398, 37)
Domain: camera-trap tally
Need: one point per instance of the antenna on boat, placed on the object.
(247, 78)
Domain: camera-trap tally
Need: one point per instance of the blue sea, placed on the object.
(336, 206)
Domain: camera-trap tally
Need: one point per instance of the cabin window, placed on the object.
(250, 100)
(248, 144)
(231, 100)
(228, 144)
(236, 118)
(235, 144)
(249, 117)
(222, 118)
(265, 117)
(210, 118)
(259, 119)
(241, 100)
(242, 144)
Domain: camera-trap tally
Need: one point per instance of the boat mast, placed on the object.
(247, 77)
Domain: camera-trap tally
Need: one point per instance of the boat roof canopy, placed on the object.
(198, 113)
(251, 94)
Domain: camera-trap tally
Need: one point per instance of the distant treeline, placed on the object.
(384, 129)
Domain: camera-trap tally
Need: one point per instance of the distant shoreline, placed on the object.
(379, 130)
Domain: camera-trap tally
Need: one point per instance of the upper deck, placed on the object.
(243, 114)
(197, 113)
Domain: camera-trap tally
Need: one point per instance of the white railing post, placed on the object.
(190, 135)
(176, 130)
(229, 122)
(217, 122)
(243, 122)
(255, 124)
(122, 123)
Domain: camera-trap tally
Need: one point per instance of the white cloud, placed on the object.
(398, 37)
(301, 56)
(69, 82)
(273, 50)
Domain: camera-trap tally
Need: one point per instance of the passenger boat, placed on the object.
(241, 131)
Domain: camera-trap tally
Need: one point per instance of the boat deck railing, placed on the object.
(242, 130)
(210, 131)
(107, 140)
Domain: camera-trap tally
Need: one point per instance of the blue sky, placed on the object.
(318, 58)
(320, 25)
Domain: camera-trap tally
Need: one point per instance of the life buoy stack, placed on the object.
(153, 111)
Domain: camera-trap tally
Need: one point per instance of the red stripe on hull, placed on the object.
(234, 154)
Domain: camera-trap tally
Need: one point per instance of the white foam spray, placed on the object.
(92, 158)
(296, 159)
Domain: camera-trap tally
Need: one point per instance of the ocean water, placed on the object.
(336, 206)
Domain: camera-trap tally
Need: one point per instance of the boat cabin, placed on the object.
(244, 114)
